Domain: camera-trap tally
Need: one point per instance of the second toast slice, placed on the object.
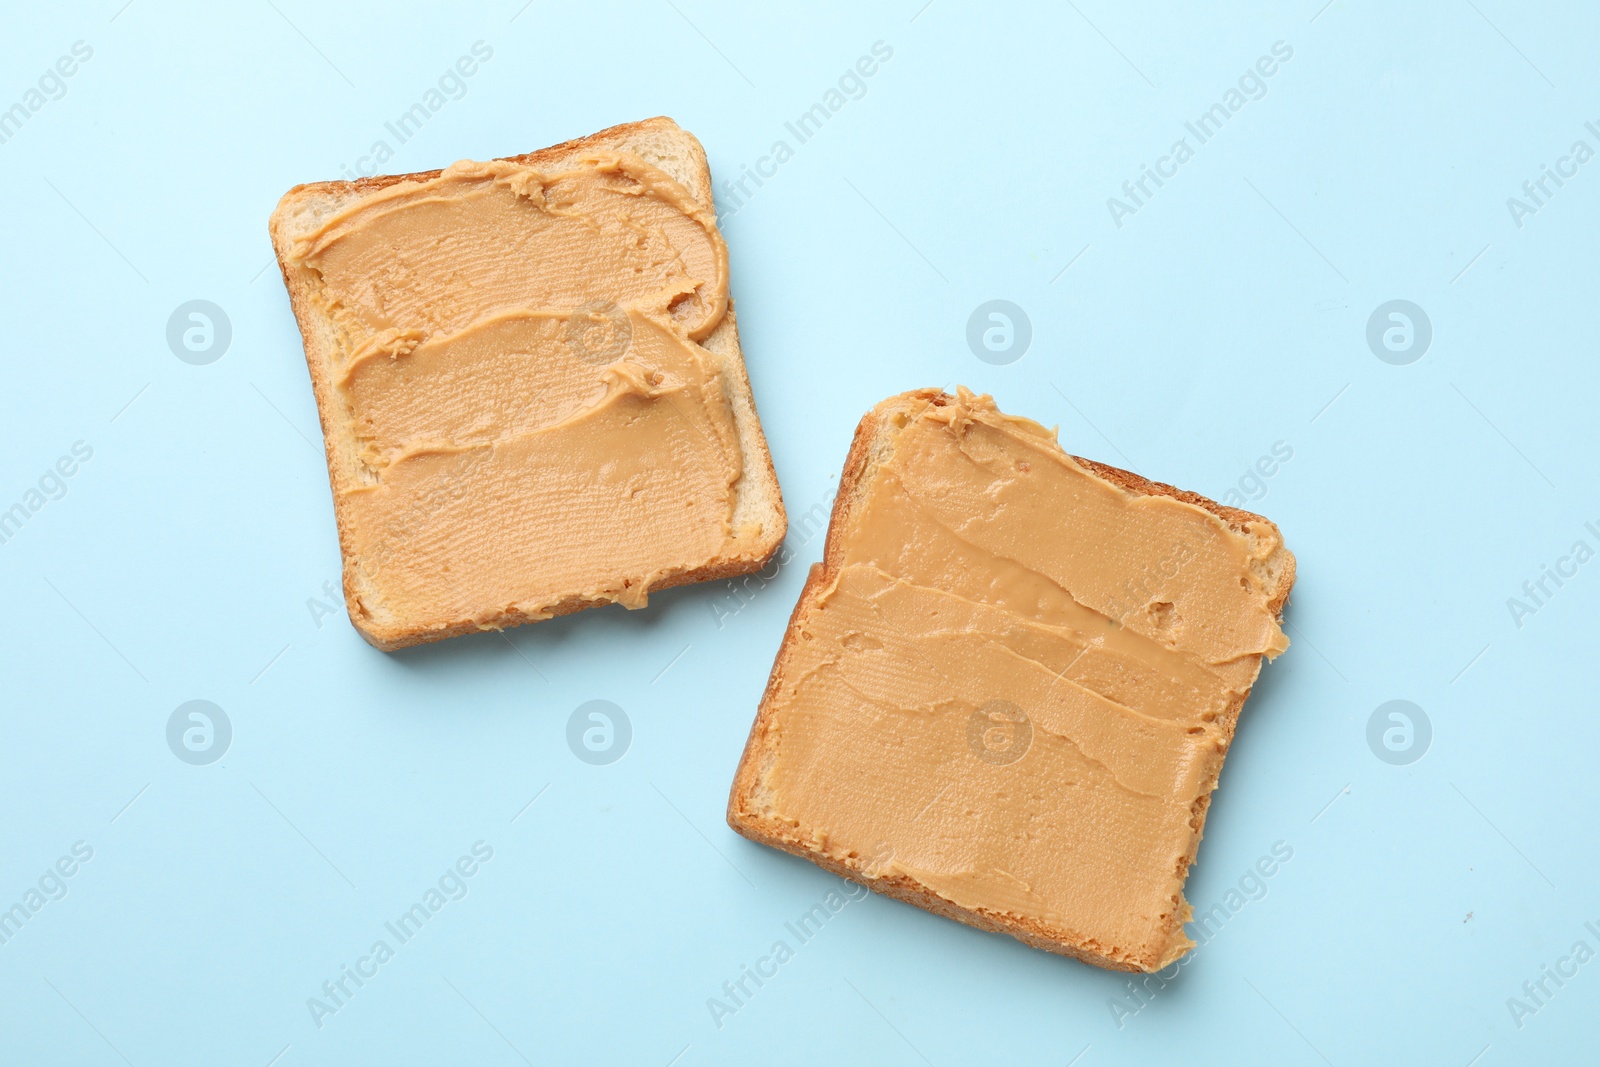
(1006, 692)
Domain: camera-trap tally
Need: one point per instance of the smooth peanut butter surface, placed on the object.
(1009, 689)
(535, 420)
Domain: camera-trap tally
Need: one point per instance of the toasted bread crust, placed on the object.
(743, 816)
(759, 475)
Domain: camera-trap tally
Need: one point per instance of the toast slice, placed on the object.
(1006, 692)
(455, 550)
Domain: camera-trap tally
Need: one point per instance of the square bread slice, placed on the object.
(1006, 691)
(530, 384)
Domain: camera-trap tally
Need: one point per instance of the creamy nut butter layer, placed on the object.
(515, 362)
(1007, 692)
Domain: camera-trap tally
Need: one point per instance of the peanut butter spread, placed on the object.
(533, 422)
(1009, 692)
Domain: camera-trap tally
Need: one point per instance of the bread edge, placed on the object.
(765, 831)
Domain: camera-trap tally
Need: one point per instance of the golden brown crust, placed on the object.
(609, 137)
(749, 558)
(767, 830)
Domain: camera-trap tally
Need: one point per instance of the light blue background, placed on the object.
(1228, 314)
